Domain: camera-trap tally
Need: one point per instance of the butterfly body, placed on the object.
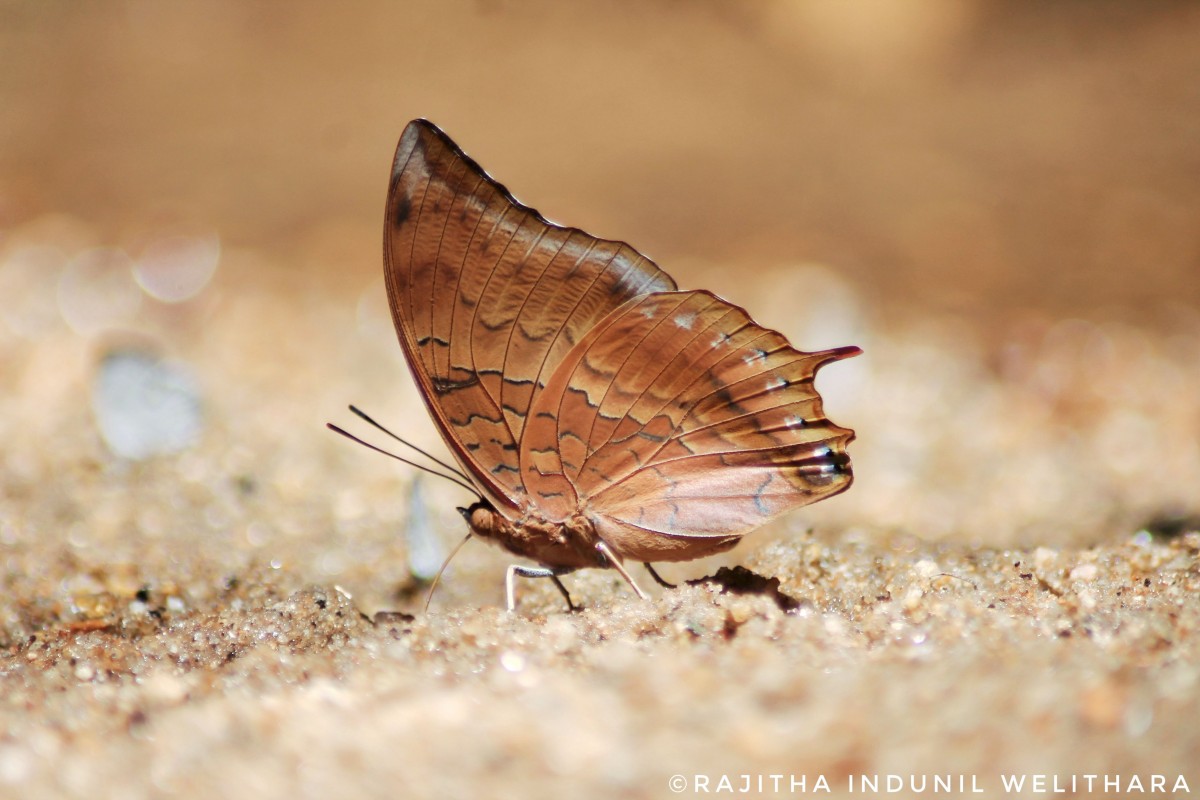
(569, 544)
(601, 413)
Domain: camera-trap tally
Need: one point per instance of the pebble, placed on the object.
(144, 405)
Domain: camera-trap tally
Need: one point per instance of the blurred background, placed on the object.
(998, 201)
(948, 154)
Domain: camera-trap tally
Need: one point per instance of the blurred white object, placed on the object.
(145, 406)
(425, 550)
(29, 277)
(177, 268)
(96, 291)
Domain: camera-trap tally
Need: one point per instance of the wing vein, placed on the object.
(616, 373)
(437, 269)
(650, 385)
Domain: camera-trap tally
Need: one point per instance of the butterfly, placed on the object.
(601, 415)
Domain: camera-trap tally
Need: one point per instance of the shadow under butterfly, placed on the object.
(600, 414)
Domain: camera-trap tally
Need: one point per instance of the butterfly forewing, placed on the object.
(488, 297)
(678, 417)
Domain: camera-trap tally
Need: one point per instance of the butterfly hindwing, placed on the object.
(684, 424)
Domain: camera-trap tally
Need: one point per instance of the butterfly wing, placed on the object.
(488, 297)
(682, 424)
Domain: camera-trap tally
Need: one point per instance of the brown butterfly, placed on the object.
(601, 414)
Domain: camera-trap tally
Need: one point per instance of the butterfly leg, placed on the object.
(657, 578)
(607, 552)
(534, 572)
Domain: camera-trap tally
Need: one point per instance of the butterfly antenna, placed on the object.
(362, 415)
(437, 578)
(421, 467)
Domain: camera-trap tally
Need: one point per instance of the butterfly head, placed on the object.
(482, 518)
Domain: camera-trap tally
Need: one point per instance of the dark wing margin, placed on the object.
(488, 297)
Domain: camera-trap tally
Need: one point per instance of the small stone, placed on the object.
(162, 687)
(425, 551)
(145, 406)
(1044, 557)
(926, 568)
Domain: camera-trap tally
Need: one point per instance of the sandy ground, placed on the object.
(207, 594)
(993, 596)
